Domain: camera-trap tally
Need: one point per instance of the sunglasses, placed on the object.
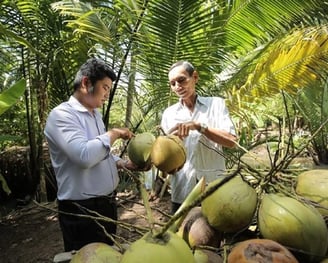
(181, 80)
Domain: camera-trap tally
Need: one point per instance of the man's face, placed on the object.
(98, 94)
(181, 82)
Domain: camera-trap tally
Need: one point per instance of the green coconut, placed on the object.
(231, 207)
(169, 248)
(294, 225)
(139, 148)
(196, 231)
(168, 153)
(313, 185)
(97, 252)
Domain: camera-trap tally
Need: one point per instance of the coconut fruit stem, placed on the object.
(144, 195)
(192, 196)
(159, 128)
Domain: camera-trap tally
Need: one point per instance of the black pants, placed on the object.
(174, 207)
(79, 231)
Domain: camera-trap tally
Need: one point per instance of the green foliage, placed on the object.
(12, 116)
(312, 105)
(7, 99)
(10, 96)
(13, 127)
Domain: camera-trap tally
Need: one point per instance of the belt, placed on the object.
(90, 202)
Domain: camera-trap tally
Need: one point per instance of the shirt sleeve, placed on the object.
(104, 138)
(224, 121)
(164, 121)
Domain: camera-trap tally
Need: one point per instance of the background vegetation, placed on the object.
(267, 58)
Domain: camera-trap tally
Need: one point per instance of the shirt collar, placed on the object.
(201, 100)
(76, 104)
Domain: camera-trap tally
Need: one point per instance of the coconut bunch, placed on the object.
(294, 221)
(294, 216)
(297, 220)
(229, 206)
(288, 228)
(165, 152)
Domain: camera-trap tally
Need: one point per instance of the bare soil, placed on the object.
(32, 234)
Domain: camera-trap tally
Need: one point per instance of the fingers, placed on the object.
(182, 129)
(123, 133)
(127, 134)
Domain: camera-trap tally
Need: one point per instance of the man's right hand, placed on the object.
(119, 133)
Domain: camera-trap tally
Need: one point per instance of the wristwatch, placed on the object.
(203, 127)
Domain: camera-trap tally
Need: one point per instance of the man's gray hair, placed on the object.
(186, 64)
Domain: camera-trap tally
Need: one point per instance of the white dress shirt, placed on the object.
(203, 155)
(80, 152)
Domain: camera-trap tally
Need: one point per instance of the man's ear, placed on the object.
(195, 76)
(85, 84)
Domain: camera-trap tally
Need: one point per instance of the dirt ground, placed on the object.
(32, 234)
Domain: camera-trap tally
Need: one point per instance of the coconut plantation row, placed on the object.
(241, 217)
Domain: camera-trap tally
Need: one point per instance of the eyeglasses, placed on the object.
(181, 81)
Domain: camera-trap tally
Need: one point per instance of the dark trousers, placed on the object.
(174, 207)
(79, 231)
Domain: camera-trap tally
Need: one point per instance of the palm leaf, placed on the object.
(10, 96)
(8, 33)
(84, 19)
(291, 63)
(251, 23)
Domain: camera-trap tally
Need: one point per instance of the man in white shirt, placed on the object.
(80, 151)
(204, 125)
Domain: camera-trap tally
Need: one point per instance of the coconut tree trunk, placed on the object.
(131, 91)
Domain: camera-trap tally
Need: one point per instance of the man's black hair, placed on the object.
(95, 69)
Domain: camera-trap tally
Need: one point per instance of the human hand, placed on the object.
(128, 164)
(121, 133)
(182, 129)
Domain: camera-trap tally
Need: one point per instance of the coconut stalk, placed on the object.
(191, 201)
(192, 196)
(144, 197)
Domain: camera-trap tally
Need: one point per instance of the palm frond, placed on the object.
(291, 63)
(178, 30)
(251, 23)
(84, 19)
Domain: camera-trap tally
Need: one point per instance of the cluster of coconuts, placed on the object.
(283, 222)
(166, 152)
(286, 226)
